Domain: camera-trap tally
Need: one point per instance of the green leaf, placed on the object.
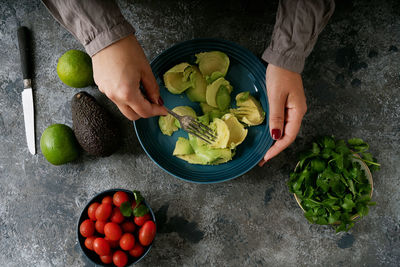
(322, 183)
(362, 210)
(328, 142)
(318, 165)
(138, 197)
(326, 153)
(358, 145)
(351, 187)
(126, 209)
(315, 148)
(348, 204)
(140, 210)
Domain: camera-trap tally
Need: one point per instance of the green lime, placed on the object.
(75, 69)
(58, 144)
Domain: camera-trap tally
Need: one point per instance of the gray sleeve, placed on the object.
(95, 23)
(298, 24)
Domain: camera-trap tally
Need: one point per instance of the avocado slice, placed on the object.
(223, 98)
(182, 147)
(177, 79)
(237, 132)
(212, 91)
(249, 110)
(197, 91)
(213, 64)
(206, 107)
(94, 127)
(222, 132)
(183, 111)
(193, 159)
(205, 119)
(167, 124)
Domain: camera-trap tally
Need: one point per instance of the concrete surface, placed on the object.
(352, 85)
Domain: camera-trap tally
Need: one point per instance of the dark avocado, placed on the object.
(93, 125)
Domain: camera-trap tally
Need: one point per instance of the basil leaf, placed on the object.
(126, 209)
(140, 211)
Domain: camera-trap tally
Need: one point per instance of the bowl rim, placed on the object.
(368, 173)
(98, 195)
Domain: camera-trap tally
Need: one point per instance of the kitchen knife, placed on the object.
(27, 95)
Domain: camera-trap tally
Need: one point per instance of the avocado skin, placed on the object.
(94, 126)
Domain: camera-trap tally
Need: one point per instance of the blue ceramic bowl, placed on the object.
(91, 255)
(246, 73)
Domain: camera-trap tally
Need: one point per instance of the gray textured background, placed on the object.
(352, 84)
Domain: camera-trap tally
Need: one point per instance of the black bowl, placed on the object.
(91, 255)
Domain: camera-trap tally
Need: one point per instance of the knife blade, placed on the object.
(27, 93)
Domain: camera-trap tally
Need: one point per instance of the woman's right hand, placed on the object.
(118, 71)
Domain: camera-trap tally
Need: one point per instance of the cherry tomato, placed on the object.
(120, 259)
(137, 251)
(107, 199)
(112, 231)
(119, 198)
(128, 227)
(113, 243)
(101, 247)
(133, 205)
(100, 227)
(92, 210)
(116, 216)
(107, 259)
(141, 220)
(103, 212)
(127, 241)
(87, 228)
(89, 242)
(147, 233)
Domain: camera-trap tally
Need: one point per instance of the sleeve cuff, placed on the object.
(290, 62)
(108, 37)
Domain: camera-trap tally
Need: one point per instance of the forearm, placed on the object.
(298, 24)
(95, 23)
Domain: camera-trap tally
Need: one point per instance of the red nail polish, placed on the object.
(276, 134)
(160, 101)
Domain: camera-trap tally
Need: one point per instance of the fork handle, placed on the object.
(172, 113)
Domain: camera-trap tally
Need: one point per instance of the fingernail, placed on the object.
(276, 134)
(160, 101)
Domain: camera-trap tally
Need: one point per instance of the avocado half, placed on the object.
(94, 126)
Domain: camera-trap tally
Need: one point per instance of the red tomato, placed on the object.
(119, 198)
(103, 212)
(87, 228)
(141, 220)
(112, 231)
(100, 227)
(133, 204)
(107, 199)
(113, 243)
(101, 247)
(116, 216)
(137, 251)
(92, 210)
(89, 242)
(128, 227)
(127, 241)
(120, 259)
(107, 259)
(147, 233)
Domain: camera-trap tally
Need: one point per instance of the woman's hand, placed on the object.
(287, 106)
(118, 71)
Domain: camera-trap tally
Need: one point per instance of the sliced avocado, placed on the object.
(167, 124)
(237, 132)
(207, 154)
(193, 159)
(197, 92)
(183, 147)
(206, 107)
(215, 114)
(223, 98)
(222, 132)
(249, 109)
(205, 119)
(213, 64)
(94, 127)
(177, 79)
(212, 90)
(183, 111)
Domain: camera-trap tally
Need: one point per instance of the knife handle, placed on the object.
(25, 52)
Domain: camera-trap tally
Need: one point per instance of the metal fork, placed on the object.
(190, 125)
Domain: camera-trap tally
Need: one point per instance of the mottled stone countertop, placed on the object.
(352, 84)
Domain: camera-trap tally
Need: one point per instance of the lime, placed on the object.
(58, 144)
(75, 69)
